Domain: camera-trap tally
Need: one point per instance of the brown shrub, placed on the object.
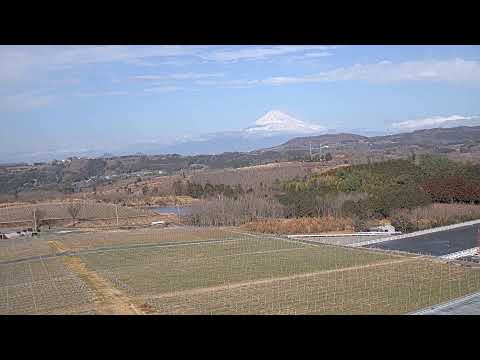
(434, 215)
(301, 225)
(453, 189)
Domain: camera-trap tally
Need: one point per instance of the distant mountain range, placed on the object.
(422, 138)
(460, 143)
(456, 141)
(277, 127)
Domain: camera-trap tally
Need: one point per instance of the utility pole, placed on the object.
(311, 157)
(478, 241)
(34, 221)
(116, 212)
(176, 205)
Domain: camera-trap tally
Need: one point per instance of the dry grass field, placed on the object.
(88, 210)
(54, 243)
(23, 247)
(301, 225)
(221, 271)
(271, 276)
(179, 268)
(41, 287)
(395, 287)
(117, 238)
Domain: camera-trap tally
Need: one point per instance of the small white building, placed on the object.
(384, 228)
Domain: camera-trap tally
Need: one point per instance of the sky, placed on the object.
(78, 97)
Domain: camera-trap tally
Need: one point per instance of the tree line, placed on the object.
(198, 191)
(377, 189)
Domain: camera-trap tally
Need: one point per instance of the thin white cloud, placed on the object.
(117, 53)
(436, 121)
(102, 93)
(162, 89)
(24, 61)
(18, 61)
(317, 54)
(21, 66)
(138, 54)
(13, 64)
(229, 83)
(453, 70)
(179, 76)
(309, 57)
(25, 101)
(258, 52)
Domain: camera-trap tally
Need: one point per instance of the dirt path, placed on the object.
(57, 247)
(271, 280)
(109, 300)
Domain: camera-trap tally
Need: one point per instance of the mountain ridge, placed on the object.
(460, 143)
(460, 139)
(437, 140)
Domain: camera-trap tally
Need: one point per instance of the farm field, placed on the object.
(397, 287)
(268, 276)
(41, 287)
(189, 270)
(178, 268)
(94, 240)
(23, 247)
(88, 210)
(47, 244)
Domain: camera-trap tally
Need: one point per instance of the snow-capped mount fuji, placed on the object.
(273, 128)
(275, 122)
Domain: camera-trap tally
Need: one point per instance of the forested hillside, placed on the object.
(377, 190)
(366, 194)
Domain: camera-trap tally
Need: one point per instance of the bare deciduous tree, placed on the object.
(332, 204)
(222, 210)
(73, 210)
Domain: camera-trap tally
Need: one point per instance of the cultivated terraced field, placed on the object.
(40, 287)
(48, 244)
(220, 271)
(59, 211)
(178, 268)
(94, 240)
(382, 288)
(23, 247)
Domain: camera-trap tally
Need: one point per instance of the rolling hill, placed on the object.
(461, 140)
(459, 143)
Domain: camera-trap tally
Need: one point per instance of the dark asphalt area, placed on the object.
(469, 305)
(436, 244)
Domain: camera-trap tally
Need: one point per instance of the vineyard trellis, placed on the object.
(84, 210)
(190, 270)
(41, 286)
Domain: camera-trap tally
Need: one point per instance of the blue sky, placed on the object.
(73, 97)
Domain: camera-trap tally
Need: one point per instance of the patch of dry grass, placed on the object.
(98, 239)
(301, 225)
(88, 210)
